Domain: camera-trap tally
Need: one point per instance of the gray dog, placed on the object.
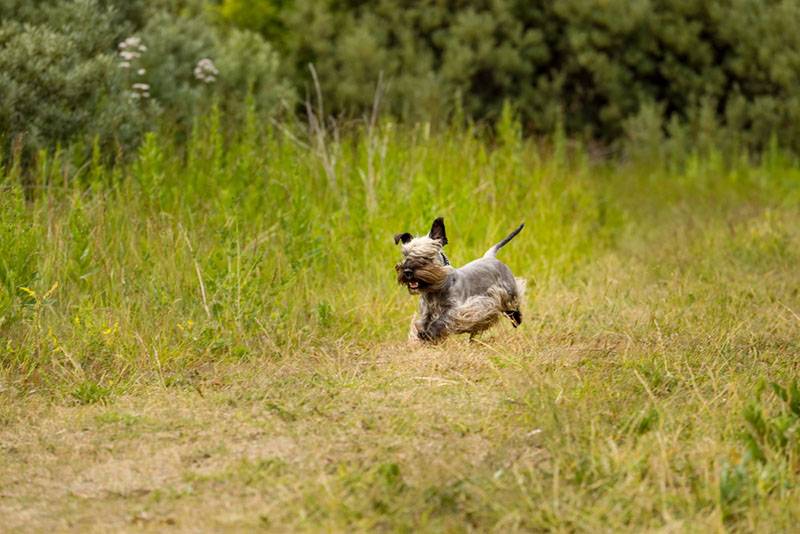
(456, 301)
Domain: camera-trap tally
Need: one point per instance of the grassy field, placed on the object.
(211, 337)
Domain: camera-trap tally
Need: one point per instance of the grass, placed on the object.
(211, 337)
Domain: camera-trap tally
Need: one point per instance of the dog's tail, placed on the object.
(492, 252)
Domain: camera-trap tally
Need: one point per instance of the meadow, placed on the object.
(210, 336)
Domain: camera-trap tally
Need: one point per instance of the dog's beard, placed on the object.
(430, 277)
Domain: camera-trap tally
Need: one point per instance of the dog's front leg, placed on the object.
(435, 330)
(413, 331)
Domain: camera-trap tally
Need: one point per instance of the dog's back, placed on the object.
(481, 275)
(478, 276)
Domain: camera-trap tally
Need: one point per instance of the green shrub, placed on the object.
(721, 74)
(60, 80)
(90, 392)
(67, 72)
(591, 65)
(174, 45)
(254, 15)
(771, 449)
(248, 66)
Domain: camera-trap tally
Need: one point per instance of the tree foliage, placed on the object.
(696, 74)
(592, 65)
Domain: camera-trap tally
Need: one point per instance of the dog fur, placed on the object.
(467, 300)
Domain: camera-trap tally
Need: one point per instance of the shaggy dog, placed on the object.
(456, 301)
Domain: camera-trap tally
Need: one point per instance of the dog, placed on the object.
(467, 300)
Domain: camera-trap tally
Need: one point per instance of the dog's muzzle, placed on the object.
(405, 275)
(408, 274)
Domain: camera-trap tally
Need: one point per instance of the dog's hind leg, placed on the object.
(515, 316)
(475, 315)
(511, 307)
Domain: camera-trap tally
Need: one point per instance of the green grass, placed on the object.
(211, 336)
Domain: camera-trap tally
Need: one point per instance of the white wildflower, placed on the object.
(128, 51)
(131, 42)
(140, 90)
(205, 71)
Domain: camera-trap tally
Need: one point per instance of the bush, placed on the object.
(254, 15)
(56, 84)
(589, 65)
(721, 73)
(63, 75)
(245, 66)
(249, 66)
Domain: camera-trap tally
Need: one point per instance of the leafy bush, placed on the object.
(65, 74)
(722, 73)
(91, 393)
(254, 15)
(60, 80)
(248, 65)
(591, 65)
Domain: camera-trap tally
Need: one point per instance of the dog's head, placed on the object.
(424, 267)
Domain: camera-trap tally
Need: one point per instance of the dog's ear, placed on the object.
(437, 231)
(405, 237)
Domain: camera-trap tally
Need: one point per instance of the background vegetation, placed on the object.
(199, 325)
(724, 68)
(722, 73)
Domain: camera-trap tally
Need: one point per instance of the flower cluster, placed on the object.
(130, 50)
(205, 71)
(140, 90)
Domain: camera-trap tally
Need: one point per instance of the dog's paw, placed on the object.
(432, 334)
(425, 335)
(515, 316)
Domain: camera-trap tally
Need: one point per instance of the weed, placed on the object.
(774, 435)
(89, 392)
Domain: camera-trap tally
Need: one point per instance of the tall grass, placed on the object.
(242, 247)
(245, 247)
(663, 300)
